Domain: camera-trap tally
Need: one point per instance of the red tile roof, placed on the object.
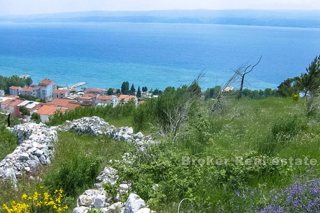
(60, 91)
(104, 98)
(89, 95)
(86, 98)
(27, 89)
(45, 82)
(12, 102)
(50, 110)
(94, 90)
(59, 102)
(126, 97)
(14, 87)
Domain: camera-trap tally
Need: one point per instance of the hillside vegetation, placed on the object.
(255, 130)
(246, 155)
(8, 141)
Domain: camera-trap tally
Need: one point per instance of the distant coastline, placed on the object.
(290, 18)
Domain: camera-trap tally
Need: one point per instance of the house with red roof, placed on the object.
(55, 106)
(123, 99)
(44, 90)
(61, 93)
(102, 100)
(11, 106)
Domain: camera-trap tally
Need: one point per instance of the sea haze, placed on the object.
(157, 55)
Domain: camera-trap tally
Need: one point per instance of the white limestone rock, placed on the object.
(92, 198)
(107, 176)
(81, 209)
(134, 203)
(36, 148)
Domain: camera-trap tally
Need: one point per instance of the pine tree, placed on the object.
(144, 89)
(110, 91)
(310, 81)
(132, 90)
(139, 93)
(125, 88)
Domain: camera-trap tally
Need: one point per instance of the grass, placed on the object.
(243, 128)
(8, 141)
(69, 146)
(238, 131)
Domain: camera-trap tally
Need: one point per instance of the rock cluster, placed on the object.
(35, 148)
(97, 126)
(99, 199)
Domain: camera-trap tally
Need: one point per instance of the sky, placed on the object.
(25, 7)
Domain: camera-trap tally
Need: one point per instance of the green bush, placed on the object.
(8, 142)
(75, 175)
(281, 133)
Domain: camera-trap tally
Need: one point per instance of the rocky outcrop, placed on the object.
(35, 148)
(97, 126)
(99, 199)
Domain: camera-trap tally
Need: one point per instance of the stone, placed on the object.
(134, 203)
(80, 209)
(38, 153)
(145, 210)
(23, 157)
(99, 201)
(35, 140)
(85, 200)
(92, 198)
(115, 208)
(107, 176)
(97, 126)
(139, 135)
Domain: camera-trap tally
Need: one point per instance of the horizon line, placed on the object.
(165, 10)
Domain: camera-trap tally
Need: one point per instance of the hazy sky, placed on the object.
(54, 6)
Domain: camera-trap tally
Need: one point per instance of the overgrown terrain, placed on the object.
(247, 155)
(265, 130)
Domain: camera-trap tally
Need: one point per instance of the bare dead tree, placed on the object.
(244, 72)
(218, 105)
(177, 115)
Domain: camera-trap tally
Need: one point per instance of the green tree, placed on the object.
(289, 87)
(310, 81)
(35, 117)
(144, 89)
(28, 81)
(212, 92)
(125, 88)
(24, 111)
(110, 91)
(156, 92)
(132, 90)
(139, 93)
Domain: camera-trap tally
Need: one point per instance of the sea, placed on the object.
(155, 55)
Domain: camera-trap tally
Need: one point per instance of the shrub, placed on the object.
(281, 132)
(36, 117)
(75, 175)
(8, 141)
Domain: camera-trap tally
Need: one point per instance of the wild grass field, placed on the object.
(274, 133)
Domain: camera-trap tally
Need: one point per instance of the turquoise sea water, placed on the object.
(154, 55)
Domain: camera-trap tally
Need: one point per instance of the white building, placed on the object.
(47, 88)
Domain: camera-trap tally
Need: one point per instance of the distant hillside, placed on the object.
(227, 17)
